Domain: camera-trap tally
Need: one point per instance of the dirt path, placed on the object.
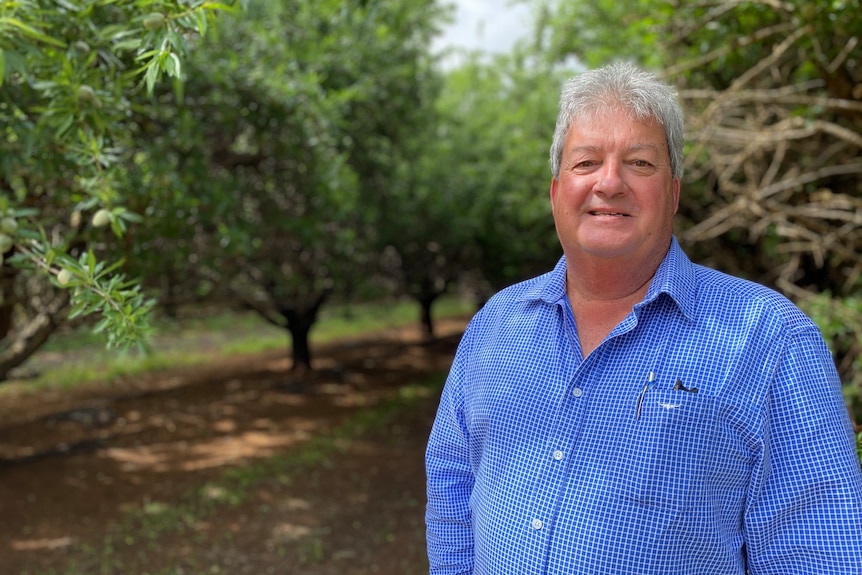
(71, 464)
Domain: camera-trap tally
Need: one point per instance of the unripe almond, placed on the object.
(101, 218)
(88, 94)
(64, 277)
(5, 243)
(154, 20)
(9, 226)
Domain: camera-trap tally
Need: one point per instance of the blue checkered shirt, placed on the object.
(540, 461)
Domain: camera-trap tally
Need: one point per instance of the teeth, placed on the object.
(607, 214)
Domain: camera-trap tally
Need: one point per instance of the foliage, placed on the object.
(496, 126)
(418, 220)
(597, 32)
(71, 72)
(286, 132)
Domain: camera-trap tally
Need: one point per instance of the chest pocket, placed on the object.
(663, 457)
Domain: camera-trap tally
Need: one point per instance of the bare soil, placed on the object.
(74, 463)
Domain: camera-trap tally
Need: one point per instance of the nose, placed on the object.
(610, 181)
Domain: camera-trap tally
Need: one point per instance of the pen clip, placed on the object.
(647, 386)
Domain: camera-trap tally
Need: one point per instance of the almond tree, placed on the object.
(71, 72)
(287, 131)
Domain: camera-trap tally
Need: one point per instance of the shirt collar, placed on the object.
(675, 277)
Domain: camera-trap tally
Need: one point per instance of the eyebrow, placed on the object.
(583, 149)
(632, 148)
(638, 147)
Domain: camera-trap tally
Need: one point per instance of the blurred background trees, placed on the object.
(318, 152)
(290, 132)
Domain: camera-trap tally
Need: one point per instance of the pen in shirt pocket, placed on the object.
(650, 383)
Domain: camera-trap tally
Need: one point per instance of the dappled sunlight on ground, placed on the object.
(71, 464)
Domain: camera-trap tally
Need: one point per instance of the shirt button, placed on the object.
(558, 455)
(537, 524)
(577, 392)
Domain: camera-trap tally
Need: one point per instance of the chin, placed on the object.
(610, 254)
(609, 249)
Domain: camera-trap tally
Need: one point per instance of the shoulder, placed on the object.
(518, 306)
(522, 292)
(724, 295)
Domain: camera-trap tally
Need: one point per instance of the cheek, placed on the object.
(558, 200)
(568, 193)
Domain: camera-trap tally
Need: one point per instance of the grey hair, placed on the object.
(638, 92)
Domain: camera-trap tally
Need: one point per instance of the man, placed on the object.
(630, 412)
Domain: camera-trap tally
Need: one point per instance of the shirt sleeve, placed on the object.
(804, 508)
(450, 479)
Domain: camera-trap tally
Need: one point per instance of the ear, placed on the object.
(553, 194)
(676, 187)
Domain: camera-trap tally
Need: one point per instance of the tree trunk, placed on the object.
(426, 302)
(299, 323)
(26, 340)
(300, 349)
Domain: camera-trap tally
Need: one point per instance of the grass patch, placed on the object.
(139, 532)
(77, 357)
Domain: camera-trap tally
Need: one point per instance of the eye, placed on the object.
(585, 165)
(643, 167)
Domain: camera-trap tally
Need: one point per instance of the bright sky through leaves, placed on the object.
(489, 25)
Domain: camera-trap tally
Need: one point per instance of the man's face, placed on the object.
(615, 196)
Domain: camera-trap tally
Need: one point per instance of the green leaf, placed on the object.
(102, 325)
(64, 126)
(130, 216)
(202, 22)
(30, 32)
(115, 266)
(173, 66)
(44, 85)
(128, 45)
(152, 75)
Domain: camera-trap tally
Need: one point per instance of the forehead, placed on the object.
(615, 125)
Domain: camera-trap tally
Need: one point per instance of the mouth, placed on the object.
(604, 213)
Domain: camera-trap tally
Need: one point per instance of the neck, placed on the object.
(601, 294)
(592, 281)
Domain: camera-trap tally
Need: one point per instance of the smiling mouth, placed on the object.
(595, 213)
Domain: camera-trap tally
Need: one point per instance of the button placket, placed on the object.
(554, 469)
